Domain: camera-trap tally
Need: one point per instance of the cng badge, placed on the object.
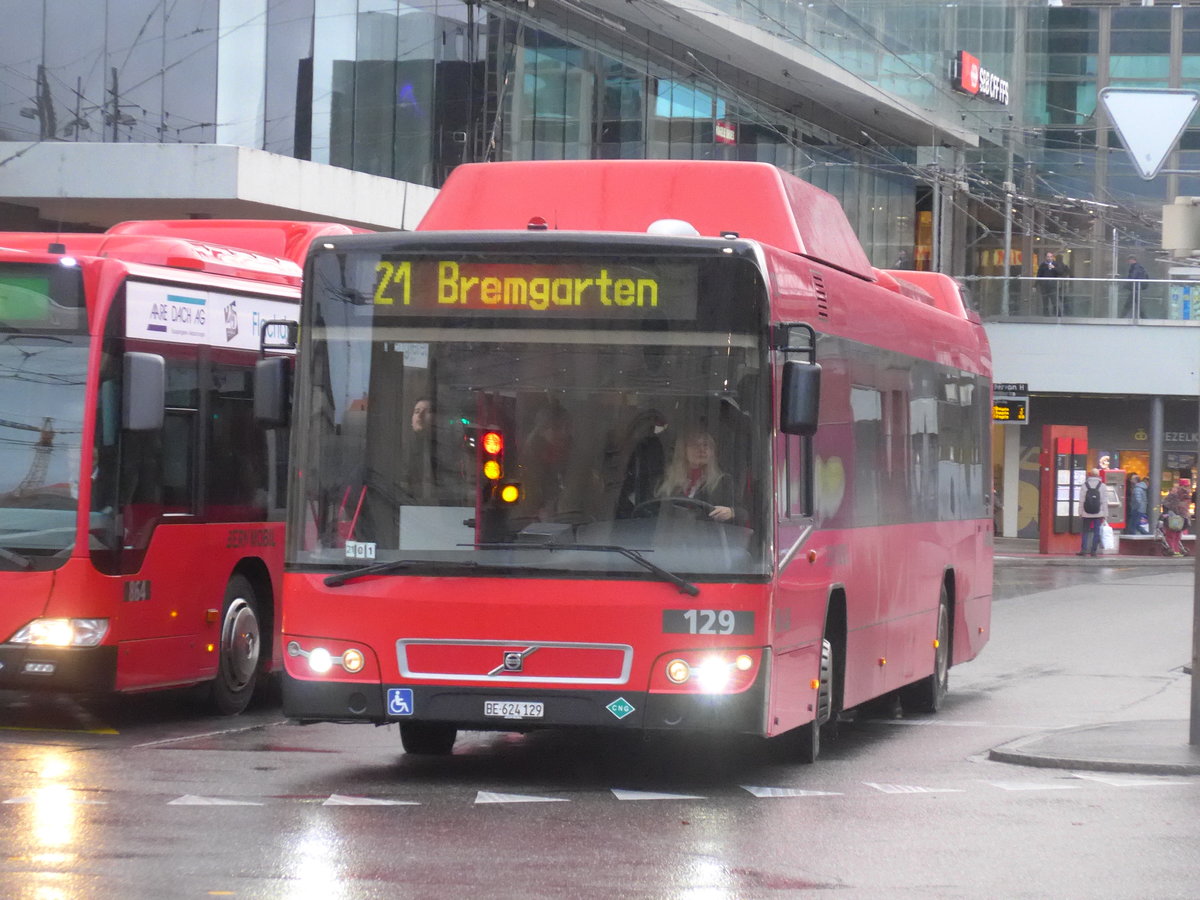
(620, 707)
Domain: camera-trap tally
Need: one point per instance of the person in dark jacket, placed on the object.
(1132, 301)
(1052, 269)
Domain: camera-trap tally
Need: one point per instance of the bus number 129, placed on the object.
(707, 621)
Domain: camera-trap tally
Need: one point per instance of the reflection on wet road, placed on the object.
(1020, 581)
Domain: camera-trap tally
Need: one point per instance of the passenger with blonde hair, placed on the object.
(693, 473)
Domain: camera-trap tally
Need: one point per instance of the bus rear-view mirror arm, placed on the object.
(801, 400)
(145, 400)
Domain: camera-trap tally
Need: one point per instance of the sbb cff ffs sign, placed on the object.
(1010, 409)
(970, 77)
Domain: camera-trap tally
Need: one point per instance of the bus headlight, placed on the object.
(321, 661)
(678, 671)
(62, 633)
(710, 671)
(353, 661)
(713, 674)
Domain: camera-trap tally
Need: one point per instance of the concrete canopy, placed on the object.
(99, 184)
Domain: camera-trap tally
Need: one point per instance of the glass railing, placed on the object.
(1028, 299)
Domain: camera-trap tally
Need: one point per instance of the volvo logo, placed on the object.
(514, 661)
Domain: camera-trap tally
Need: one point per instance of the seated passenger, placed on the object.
(693, 473)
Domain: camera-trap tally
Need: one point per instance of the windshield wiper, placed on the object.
(685, 587)
(394, 566)
(16, 559)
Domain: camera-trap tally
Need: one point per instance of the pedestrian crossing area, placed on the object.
(1076, 781)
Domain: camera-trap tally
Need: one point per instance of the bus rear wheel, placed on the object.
(239, 650)
(427, 738)
(808, 736)
(928, 694)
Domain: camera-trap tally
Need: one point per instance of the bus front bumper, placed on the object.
(25, 667)
(471, 708)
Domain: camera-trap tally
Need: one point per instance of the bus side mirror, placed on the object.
(144, 403)
(272, 391)
(801, 401)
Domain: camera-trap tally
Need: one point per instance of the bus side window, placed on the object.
(236, 464)
(158, 468)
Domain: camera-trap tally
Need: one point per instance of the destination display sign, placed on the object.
(591, 289)
(1010, 409)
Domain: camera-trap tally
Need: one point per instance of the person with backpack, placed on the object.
(1093, 512)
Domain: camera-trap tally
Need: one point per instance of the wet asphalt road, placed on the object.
(150, 798)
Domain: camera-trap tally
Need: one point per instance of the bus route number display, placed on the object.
(597, 289)
(1010, 409)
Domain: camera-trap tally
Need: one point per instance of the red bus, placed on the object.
(141, 541)
(679, 458)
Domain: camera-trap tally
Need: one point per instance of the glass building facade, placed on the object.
(408, 90)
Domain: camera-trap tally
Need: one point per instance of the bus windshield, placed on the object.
(42, 381)
(546, 414)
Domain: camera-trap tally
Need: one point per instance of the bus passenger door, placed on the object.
(158, 620)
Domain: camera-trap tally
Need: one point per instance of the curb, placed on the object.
(1001, 559)
(1026, 752)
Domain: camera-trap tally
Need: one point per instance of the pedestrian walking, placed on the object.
(1131, 305)
(1093, 512)
(1177, 509)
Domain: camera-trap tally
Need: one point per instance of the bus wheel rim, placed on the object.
(240, 642)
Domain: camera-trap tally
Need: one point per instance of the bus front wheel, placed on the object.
(928, 694)
(427, 738)
(808, 736)
(239, 649)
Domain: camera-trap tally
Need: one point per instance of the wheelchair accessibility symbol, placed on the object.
(400, 701)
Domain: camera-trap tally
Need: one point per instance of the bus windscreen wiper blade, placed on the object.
(685, 587)
(393, 566)
(22, 562)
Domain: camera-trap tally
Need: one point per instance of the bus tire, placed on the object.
(928, 694)
(808, 736)
(239, 649)
(427, 738)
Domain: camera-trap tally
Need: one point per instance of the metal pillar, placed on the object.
(1011, 486)
(1153, 495)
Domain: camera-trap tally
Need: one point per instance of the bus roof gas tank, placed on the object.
(756, 200)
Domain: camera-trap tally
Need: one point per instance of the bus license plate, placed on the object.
(513, 709)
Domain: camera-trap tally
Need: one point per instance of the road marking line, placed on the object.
(945, 724)
(1132, 780)
(1032, 786)
(347, 800)
(652, 795)
(762, 792)
(911, 789)
(60, 730)
(208, 734)
(193, 800)
(491, 797)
